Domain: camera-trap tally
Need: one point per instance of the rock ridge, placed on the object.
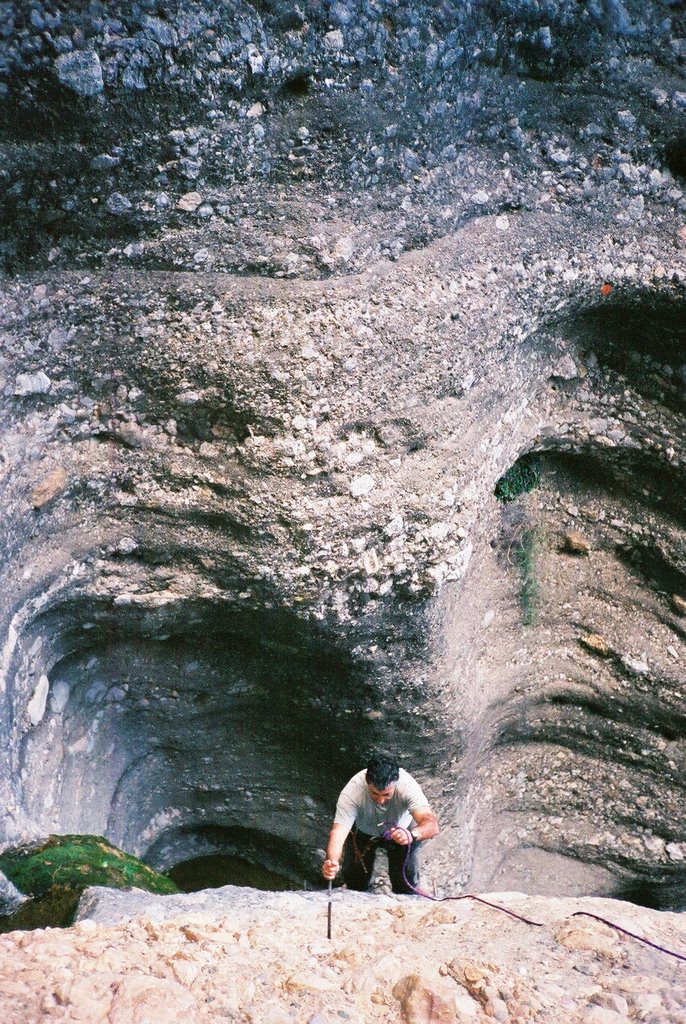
(264, 958)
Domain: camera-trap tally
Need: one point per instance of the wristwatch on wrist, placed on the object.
(413, 833)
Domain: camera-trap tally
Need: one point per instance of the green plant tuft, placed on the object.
(519, 479)
(527, 554)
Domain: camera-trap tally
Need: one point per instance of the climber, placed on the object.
(381, 807)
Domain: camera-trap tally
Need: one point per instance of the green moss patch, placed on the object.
(56, 909)
(519, 479)
(56, 871)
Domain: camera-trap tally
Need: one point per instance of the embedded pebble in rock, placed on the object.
(118, 204)
(32, 384)
(361, 485)
(49, 488)
(575, 543)
(595, 643)
(35, 708)
(105, 162)
(189, 202)
(59, 696)
(81, 71)
(565, 368)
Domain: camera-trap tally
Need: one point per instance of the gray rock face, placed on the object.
(307, 293)
(10, 897)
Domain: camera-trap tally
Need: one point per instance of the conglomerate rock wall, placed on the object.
(288, 289)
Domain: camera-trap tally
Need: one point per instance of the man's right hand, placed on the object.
(330, 869)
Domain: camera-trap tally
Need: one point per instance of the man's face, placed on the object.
(381, 796)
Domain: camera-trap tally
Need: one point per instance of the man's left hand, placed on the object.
(401, 836)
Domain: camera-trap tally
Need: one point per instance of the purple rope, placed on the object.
(443, 899)
(639, 938)
(505, 910)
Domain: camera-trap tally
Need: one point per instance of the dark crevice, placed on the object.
(266, 853)
(653, 567)
(297, 85)
(675, 156)
(223, 521)
(666, 893)
(576, 739)
(625, 476)
(662, 724)
(216, 870)
(641, 337)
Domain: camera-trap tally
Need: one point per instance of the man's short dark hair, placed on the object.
(382, 771)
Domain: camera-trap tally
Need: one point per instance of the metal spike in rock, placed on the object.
(328, 914)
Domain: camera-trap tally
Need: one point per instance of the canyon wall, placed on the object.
(288, 289)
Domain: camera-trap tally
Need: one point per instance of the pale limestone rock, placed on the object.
(35, 709)
(424, 1000)
(466, 1005)
(612, 1001)
(589, 935)
(565, 368)
(149, 1000)
(600, 1015)
(574, 543)
(270, 1013)
(362, 485)
(28, 384)
(49, 488)
(264, 958)
(189, 202)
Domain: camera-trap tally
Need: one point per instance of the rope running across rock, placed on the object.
(519, 917)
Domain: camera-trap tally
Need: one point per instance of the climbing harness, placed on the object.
(361, 854)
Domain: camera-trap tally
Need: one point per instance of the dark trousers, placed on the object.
(359, 854)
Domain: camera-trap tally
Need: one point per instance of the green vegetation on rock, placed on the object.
(527, 553)
(519, 479)
(55, 872)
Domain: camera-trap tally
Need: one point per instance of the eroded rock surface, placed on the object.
(236, 954)
(289, 290)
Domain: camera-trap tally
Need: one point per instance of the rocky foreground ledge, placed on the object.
(239, 955)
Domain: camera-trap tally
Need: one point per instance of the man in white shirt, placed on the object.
(381, 807)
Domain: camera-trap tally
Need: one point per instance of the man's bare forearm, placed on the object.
(334, 850)
(337, 837)
(426, 826)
